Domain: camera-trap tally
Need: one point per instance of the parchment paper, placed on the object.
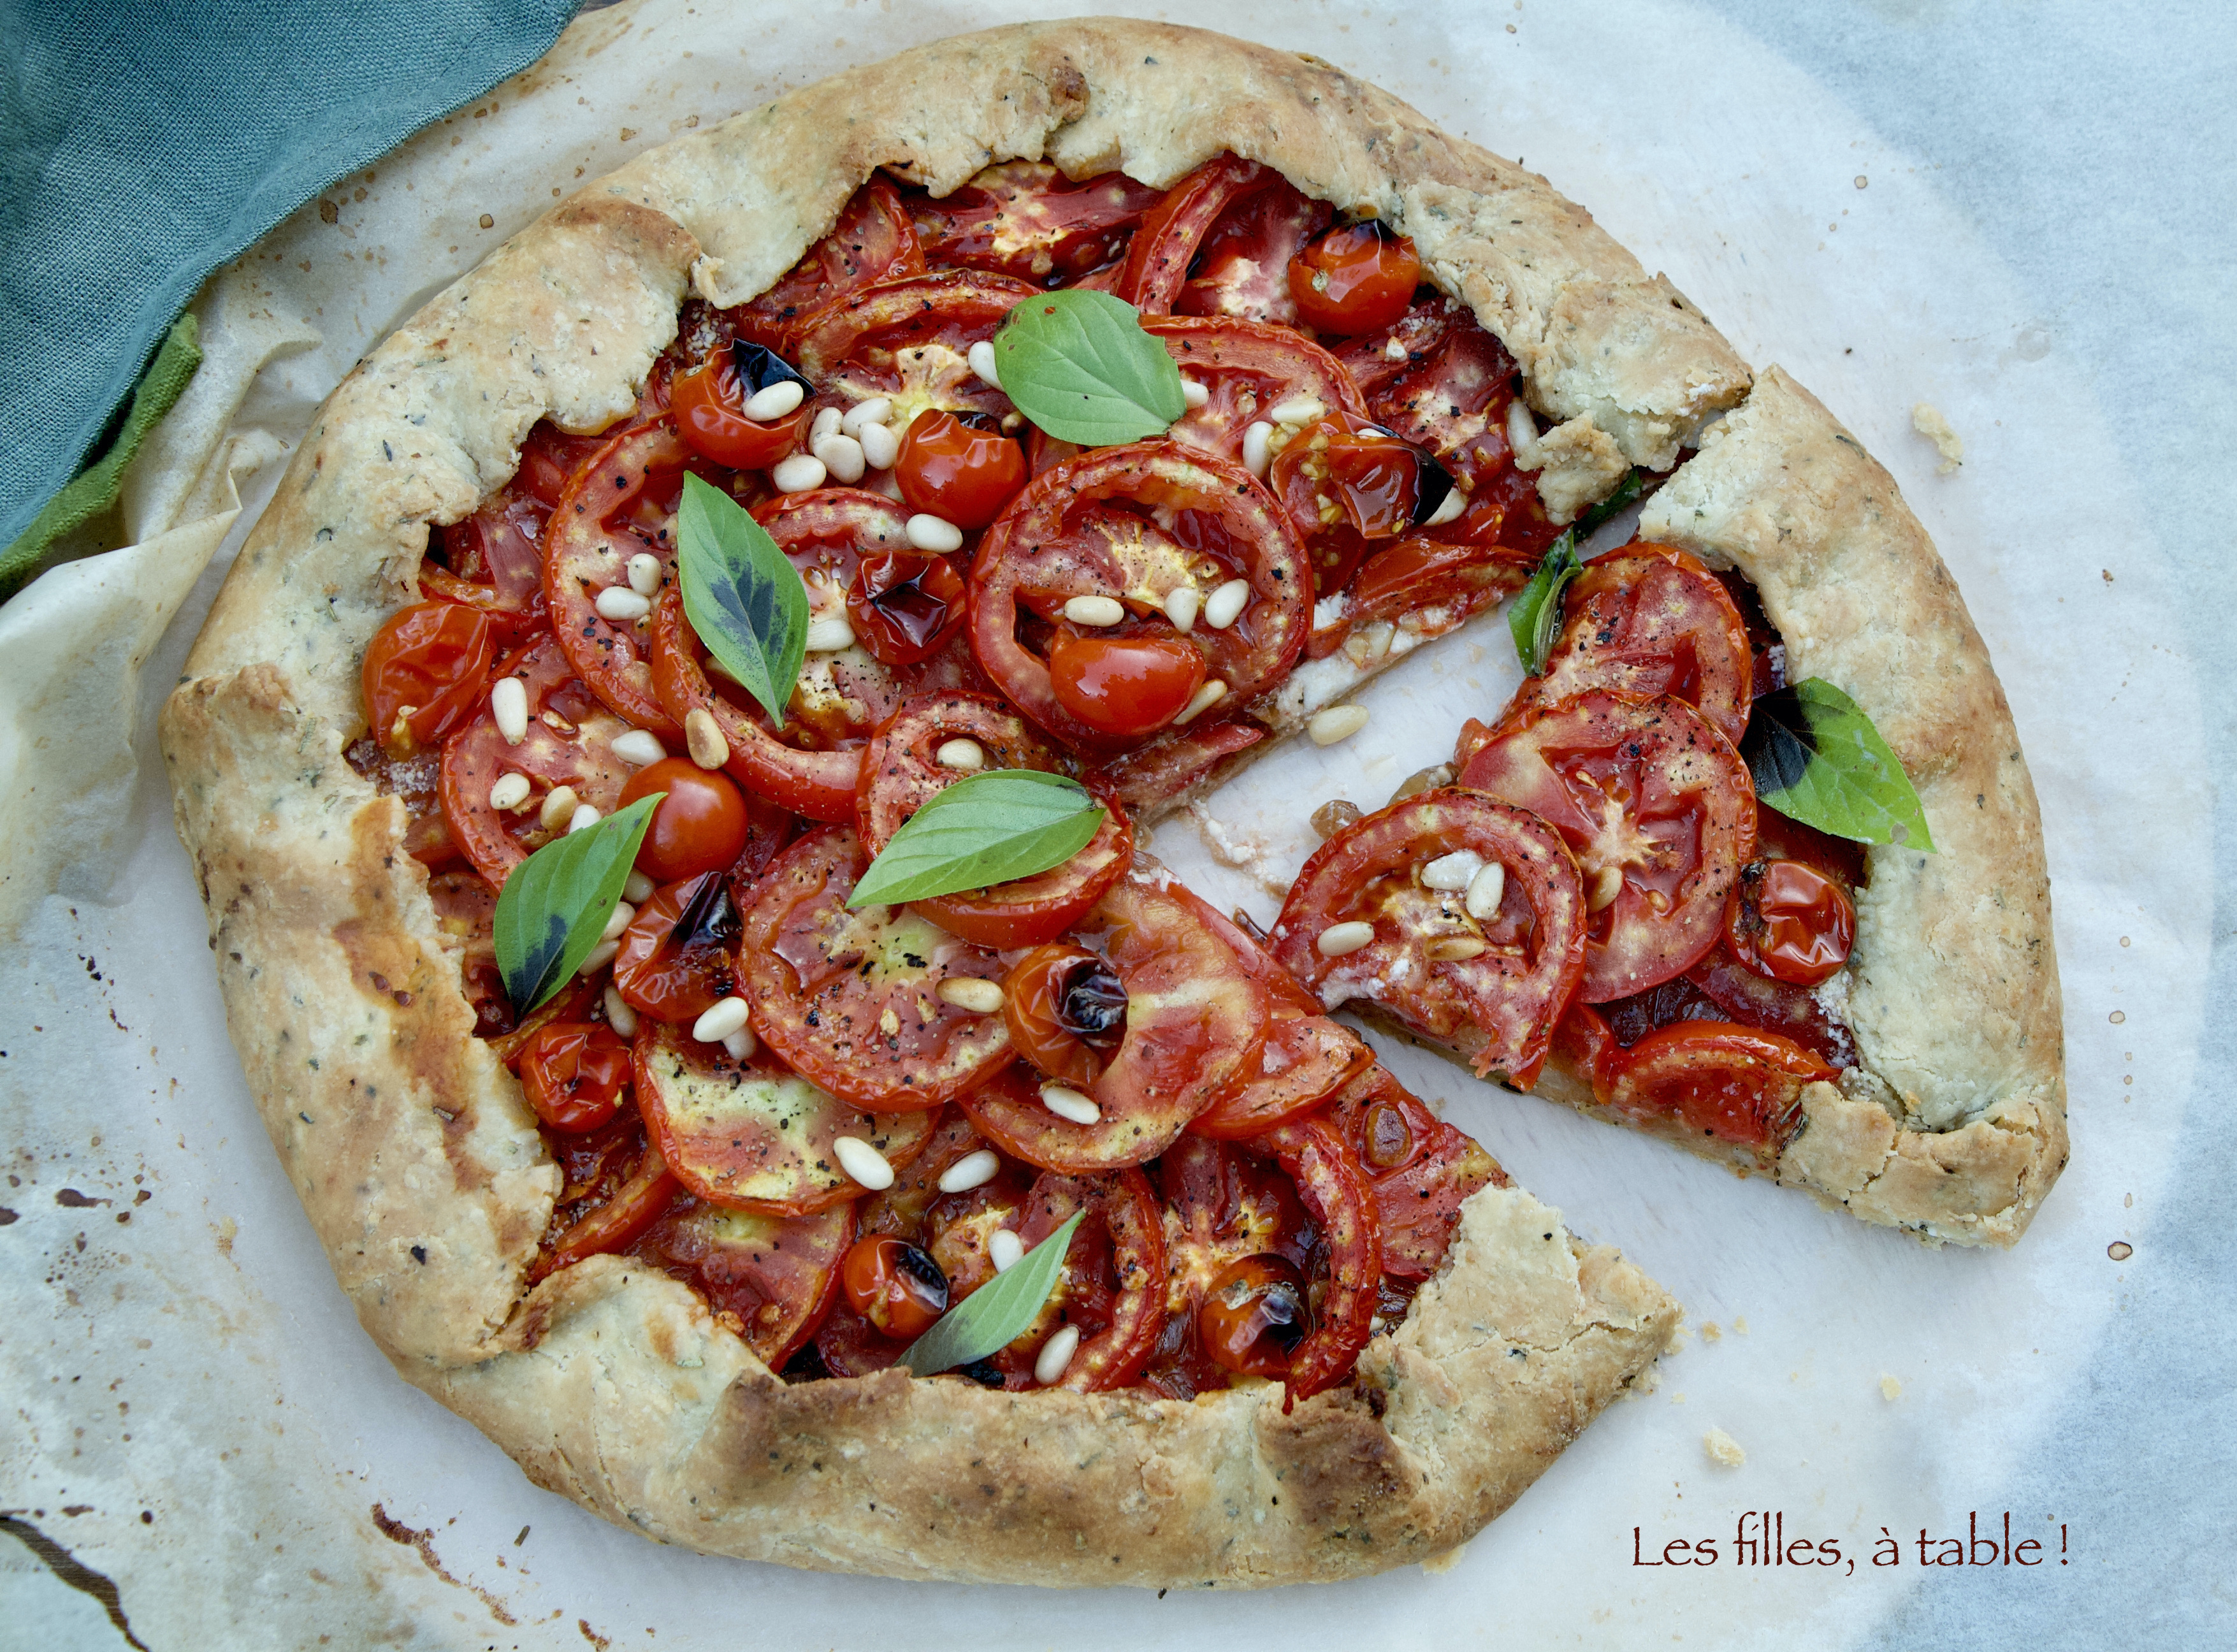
(197, 1419)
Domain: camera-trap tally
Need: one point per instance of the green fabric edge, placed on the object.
(96, 488)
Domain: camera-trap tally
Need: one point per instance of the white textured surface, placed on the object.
(262, 1427)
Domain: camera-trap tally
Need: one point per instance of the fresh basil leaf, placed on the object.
(1626, 492)
(1817, 758)
(992, 827)
(555, 904)
(1535, 619)
(997, 1313)
(742, 594)
(1079, 365)
(759, 367)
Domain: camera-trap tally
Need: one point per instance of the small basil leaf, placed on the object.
(759, 368)
(555, 904)
(1817, 758)
(998, 1312)
(989, 828)
(742, 594)
(1626, 490)
(1535, 619)
(1080, 366)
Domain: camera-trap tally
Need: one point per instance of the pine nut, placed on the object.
(1183, 604)
(1448, 509)
(934, 533)
(620, 605)
(510, 792)
(1338, 939)
(558, 808)
(619, 1015)
(880, 447)
(864, 1163)
(1522, 436)
(774, 400)
(841, 455)
(639, 889)
(1337, 722)
(1094, 611)
(1453, 872)
(1194, 394)
(1297, 410)
(1255, 450)
(619, 919)
(1485, 890)
(1067, 1103)
(740, 1045)
(964, 755)
(585, 816)
(1226, 605)
(637, 748)
(826, 423)
(1205, 697)
(974, 1170)
(979, 996)
(702, 738)
(721, 1018)
(1003, 1248)
(797, 473)
(644, 574)
(829, 634)
(600, 956)
(875, 411)
(509, 706)
(1456, 948)
(981, 357)
(1049, 1365)
(1608, 883)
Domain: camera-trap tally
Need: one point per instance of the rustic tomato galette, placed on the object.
(665, 774)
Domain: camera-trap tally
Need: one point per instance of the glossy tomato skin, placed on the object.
(1254, 1315)
(1066, 1008)
(709, 406)
(1355, 278)
(615, 1217)
(905, 607)
(699, 826)
(573, 1073)
(678, 955)
(1715, 1078)
(1419, 1169)
(895, 1285)
(957, 469)
(1791, 922)
(1336, 1194)
(1124, 686)
(427, 665)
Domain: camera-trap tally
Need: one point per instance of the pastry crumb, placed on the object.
(1438, 1565)
(1722, 1449)
(1711, 1332)
(1740, 1324)
(1890, 1389)
(1928, 421)
(227, 1228)
(1679, 1337)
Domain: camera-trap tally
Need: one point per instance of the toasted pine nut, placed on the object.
(1183, 604)
(1003, 1248)
(797, 473)
(637, 748)
(1452, 872)
(619, 605)
(558, 808)
(1049, 1365)
(639, 889)
(775, 401)
(1094, 611)
(1067, 1103)
(960, 754)
(1255, 451)
(1226, 605)
(862, 1162)
(981, 357)
(644, 574)
(1205, 697)
(618, 919)
(585, 816)
(1337, 722)
(979, 996)
(509, 793)
(721, 1018)
(619, 1015)
(880, 447)
(1453, 949)
(1339, 939)
(935, 533)
(702, 738)
(829, 634)
(1608, 883)
(1194, 394)
(1485, 890)
(974, 1170)
(509, 707)
(875, 411)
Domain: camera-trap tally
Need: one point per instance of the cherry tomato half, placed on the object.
(1254, 1315)
(1067, 1012)
(909, 341)
(573, 1073)
(905, 607)
(700, 826)
(1791, 921)
(1355, 278)
(1124, 686)
(966, 472)
(895, 1285)
(426, 668)
(710, 404)
(1715, 1078)
(676, 958)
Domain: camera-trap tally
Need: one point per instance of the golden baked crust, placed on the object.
(416, 1158)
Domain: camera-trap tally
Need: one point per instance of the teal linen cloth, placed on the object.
(143, 145)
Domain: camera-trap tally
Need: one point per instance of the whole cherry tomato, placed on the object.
(1066, 1008)
(700, 826)
(710, 415)
(573, 1073)
(895, 1285)
(962, 468)
(904, 607)
(426, 665)
(1127, 686)
(1791, 922)
(1355, 278)
(1254, 1315)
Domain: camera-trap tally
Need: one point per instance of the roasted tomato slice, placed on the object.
(1136, 525)
(1791, 922)
(1222, 1206)
(1335, 1192)
(1644, 620)
(424, 673)
(1660, 811)
(709, 403)
(618, 505)
(1026, 220)
(493, 560)
(1220, 244)
(573, 1073)
(1121, 1204)
(1193, 1011)
(679, 953)
(850, 999)
(1418, 1168)
(1437, 378)
(569, 743)
(1402, 908)
(1355, 278)
(872, 241)
(1734, 1083)
(1175, 763)
(902, 772)
(614, 1213)
(1247, 369)
(910, 341)
(752, 1136)
(770, 1278)
(1350, 486)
